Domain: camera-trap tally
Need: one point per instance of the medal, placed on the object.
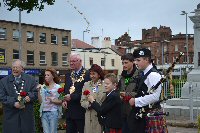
(74, 79)
(72, 89)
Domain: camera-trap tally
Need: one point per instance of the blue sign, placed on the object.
(32, 71)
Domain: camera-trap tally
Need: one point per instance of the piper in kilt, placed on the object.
(141, 122)
(109, 112)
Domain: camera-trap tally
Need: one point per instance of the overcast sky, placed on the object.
(115, 17)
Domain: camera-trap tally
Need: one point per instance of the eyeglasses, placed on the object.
(73, 61)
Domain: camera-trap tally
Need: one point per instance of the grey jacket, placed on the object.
(17, 120)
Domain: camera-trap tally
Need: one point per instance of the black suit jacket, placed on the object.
(110, 109)
(75, 110)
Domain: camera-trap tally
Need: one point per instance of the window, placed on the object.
(113, 62)
(191, 58)
(2, 33)
(185, 59)
(15, 35)
(42, 58)
(65, 40)
(30, 36)
(165, 49)
(2, 56)
(54, 39)
(102, 61)
(176, 47)
(15, 54)
(91, 61)
(54, 57)
(30, 57)
(166, 59)
(64, 58)
(42, 37)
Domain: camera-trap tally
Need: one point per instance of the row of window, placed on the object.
(102, 61)
(30, 57)
(30, 37)
(54, 58)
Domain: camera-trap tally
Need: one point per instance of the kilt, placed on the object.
(112, 130)
(156, 124)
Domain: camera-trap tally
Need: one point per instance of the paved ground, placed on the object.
(170, 129)
(182, 130)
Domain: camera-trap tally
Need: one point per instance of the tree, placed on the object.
(27, 5)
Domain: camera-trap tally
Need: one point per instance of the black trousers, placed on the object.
(136, 125)
(75, 125)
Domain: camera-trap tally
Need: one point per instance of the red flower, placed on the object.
(23, 93)
(86, 92)
(126, 98)
(60, 90)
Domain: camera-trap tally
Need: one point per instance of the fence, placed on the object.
(177, 84)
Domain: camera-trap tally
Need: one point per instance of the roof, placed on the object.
(76, 43)
(5, 21)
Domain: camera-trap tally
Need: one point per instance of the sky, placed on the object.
(109, 18)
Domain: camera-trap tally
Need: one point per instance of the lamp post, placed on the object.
(20, 36)
(84, 33)
(186, 36)
(84, 48)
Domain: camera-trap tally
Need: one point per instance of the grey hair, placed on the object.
(78, 56)
(23, 64)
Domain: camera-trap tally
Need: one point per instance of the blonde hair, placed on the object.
(112, 77)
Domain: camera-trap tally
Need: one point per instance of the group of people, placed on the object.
(93, 102)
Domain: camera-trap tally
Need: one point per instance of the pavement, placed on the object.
(181, 125)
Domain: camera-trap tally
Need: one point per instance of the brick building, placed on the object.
(166, 47)
(42, 47)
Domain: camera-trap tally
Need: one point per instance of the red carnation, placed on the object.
(126, 98)
(23, 94)
(86, 92)
(60, 90)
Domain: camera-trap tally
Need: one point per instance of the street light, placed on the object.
(186, 36)
(83, 41)
(20, 36)
(84, 33)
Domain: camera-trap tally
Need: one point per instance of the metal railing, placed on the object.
(177, 85)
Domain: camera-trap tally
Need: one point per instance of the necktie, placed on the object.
(142, 74)
(17, 80)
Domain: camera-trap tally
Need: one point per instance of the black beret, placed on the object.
(142, 52)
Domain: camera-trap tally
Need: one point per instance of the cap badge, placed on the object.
(141, 53)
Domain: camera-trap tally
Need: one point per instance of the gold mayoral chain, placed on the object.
(18, 92)
(75, 79)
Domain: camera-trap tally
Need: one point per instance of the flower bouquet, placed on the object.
(62, 94)
(21, 99)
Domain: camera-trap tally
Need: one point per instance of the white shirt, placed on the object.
(152, 79)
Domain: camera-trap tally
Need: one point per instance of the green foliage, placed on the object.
(27, 5)
(198, 123)
(37, 117)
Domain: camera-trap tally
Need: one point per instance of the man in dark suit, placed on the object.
(75, 113)
(18, 117)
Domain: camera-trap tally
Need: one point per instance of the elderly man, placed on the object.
(17, 94)
(75, 80)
